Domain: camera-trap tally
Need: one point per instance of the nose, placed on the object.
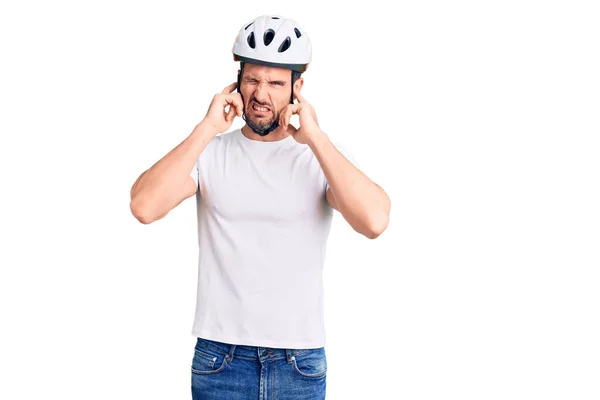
(260, 94)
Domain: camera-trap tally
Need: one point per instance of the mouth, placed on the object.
(259, 109)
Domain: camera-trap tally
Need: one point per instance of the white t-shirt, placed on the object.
(263, 223)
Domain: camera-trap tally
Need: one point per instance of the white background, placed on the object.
(479, 119)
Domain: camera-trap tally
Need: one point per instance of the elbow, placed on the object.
(140, 212)
(144, 220)
(381, 220)
(378, 227)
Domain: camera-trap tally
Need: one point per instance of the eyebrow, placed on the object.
(254, 79)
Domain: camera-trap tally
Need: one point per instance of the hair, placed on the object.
(295, 76)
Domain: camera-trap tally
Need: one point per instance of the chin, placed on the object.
(261, 123)
(258, 124)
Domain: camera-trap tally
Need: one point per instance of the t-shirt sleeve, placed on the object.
(202, 166)
(195, 173)
(346, 154)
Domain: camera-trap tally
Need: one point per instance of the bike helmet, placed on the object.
(273, 41)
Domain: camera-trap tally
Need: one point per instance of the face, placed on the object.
(266, 92)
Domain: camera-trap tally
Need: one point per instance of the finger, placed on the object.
(230, 114)
(291, 110)
(239, 104)
(233, 100)
(294, 110)
(300, 98)
(288, 116)
(285, 116)
(282, 116)
(229, 88)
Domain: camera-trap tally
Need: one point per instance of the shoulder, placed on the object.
(228, 136)
(221, 141)
(217, 145)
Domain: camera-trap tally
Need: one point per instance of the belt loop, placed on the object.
(229, 356)
(288, 355)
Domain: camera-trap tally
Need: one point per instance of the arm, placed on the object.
(362, 202)
(168, 182)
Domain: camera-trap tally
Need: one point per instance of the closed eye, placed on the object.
(251, 80)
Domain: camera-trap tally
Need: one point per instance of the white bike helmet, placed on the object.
(273, 41)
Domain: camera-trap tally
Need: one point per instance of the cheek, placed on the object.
(245, 93)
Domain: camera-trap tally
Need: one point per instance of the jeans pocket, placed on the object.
(208, 362)
(311, 363)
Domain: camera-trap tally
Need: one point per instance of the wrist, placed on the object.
(317, 139)
(205, 128)
(203, 133)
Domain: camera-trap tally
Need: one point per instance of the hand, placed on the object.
(309, 125)
(216, 115)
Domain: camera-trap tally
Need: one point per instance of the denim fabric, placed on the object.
(223, 371)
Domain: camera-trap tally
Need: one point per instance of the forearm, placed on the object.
(361, 201)
(156, 191)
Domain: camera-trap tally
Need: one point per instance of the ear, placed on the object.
(298, 84)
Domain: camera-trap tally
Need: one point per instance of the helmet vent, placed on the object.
(275, 17)
(248, 25)
(268, 36)
(251, 40)
(285, 45)
(298, 34)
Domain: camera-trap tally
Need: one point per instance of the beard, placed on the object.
(264, 124)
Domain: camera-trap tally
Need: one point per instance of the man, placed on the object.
(265, 200)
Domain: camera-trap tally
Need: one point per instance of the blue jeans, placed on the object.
(238, 372)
